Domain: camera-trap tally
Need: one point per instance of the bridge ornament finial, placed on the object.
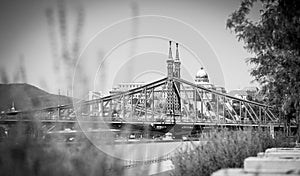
(170, 50)
(177, 52)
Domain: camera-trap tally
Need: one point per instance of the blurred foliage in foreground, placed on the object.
(22, 154)
(225, 149)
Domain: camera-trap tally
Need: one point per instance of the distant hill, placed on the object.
(28, 97)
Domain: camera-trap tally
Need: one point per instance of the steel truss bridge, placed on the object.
(198, 105)
(154, 105)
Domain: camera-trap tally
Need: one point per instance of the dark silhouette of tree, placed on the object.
(249, 97)
(274, 40)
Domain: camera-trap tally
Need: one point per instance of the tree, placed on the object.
(274, 41)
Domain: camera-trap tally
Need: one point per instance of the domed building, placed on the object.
(202, 79)
(201, 76)
(205, 101)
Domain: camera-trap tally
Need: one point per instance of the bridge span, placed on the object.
(167, 103)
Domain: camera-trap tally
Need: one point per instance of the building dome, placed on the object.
(201, 73)
(201, 77)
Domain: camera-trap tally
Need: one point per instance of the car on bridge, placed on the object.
(168, 137)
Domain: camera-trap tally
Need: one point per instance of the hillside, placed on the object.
(28, 97)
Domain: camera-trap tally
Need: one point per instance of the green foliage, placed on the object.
(225, 149)
(274, 41)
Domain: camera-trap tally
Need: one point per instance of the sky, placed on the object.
(117, 41)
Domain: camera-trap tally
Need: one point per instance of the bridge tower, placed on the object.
(177, 103)
(170, 95)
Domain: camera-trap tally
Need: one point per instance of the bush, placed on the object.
(224, 149)
(23, 154)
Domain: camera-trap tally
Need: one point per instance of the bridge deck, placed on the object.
(147, 123)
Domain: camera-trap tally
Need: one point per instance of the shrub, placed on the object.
(224, 149)
(23, 154)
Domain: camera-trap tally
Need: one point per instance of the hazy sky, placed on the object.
(117, 49)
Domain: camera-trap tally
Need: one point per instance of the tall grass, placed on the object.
(23, 154)
(224, 149)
